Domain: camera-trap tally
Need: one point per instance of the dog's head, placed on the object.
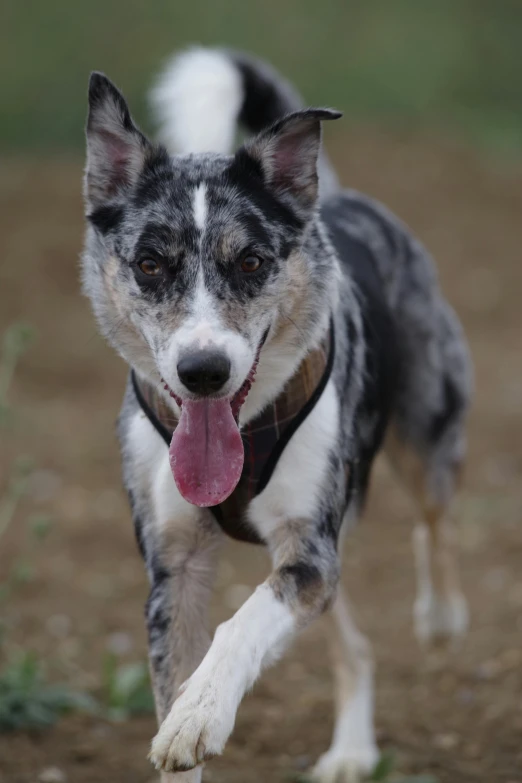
(192, 262)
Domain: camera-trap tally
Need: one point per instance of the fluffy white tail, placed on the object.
(197, 100)
(203, 94)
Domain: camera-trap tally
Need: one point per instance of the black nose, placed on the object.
(204, 372)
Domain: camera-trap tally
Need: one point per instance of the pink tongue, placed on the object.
(206, 452)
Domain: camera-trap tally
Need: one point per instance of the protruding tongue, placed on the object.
(206, 452)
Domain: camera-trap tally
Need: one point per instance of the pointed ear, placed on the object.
(287, 154)
(116, 149)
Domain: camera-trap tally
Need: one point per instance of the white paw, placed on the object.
(436, 617)
(344, 765)
(196, 728)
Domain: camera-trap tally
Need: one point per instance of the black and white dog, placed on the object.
(279, 330)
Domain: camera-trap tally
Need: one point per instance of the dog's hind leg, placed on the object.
(353, 752)
(440, 609)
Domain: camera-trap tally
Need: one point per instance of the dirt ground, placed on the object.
(457, 716)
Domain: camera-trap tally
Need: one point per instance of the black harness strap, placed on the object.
(149, 413)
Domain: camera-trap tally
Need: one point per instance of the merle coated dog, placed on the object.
(280, 331)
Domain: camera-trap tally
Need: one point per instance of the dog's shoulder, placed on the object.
(358, 262)
(380, 372)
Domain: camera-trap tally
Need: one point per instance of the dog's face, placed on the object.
(197, 253)
(193, 262)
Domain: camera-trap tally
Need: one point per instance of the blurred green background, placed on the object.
(445, 64)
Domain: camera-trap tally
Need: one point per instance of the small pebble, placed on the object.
(488, 670)
(446, 741)
(52, 775)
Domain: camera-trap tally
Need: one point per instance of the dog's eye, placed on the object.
(251, 263)
(150, 267)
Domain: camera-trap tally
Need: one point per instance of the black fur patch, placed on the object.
(382, 370)
(453, 403)
(246, 175)
(263, 103)
(138, 525)
(391, 238)
(326, 527)
(106, 218)
(157, 174)
(156, 614)
(304, 574)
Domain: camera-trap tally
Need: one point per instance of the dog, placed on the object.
(280, 331)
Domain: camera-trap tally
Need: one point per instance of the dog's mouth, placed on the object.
(236, 402)
(206, 452)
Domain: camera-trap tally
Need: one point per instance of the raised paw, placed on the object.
(195, 729)
(345, 766)
(440, 618)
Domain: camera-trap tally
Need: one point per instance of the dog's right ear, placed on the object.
(116, 148)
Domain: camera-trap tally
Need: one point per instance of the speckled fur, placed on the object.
(401, 374)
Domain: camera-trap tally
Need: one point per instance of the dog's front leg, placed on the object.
(181, 567)
(301, 586)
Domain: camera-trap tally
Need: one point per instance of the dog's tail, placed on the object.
(203, 94)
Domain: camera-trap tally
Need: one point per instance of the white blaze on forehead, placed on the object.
(200, 206)
(204, 324)
(204, 328)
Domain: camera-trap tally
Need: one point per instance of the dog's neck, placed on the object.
(304, 385)
(279, 361)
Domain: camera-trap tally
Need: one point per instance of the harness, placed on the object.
(264, 438)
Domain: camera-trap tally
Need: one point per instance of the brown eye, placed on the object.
(251, 263)
(150, 267)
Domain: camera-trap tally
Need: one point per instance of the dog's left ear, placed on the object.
(116, 148)
(287, 153)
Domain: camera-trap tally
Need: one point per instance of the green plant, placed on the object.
(15, 342)
(27, 702)
(126, 689)
(384, 767)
